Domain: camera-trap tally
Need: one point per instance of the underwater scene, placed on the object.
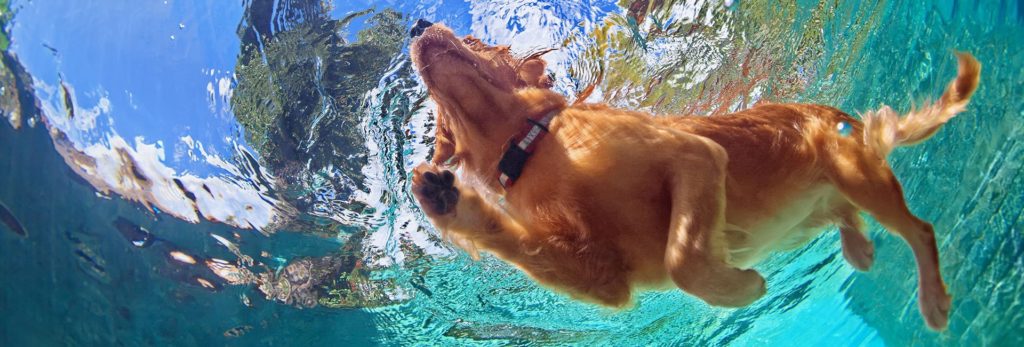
(182, 173)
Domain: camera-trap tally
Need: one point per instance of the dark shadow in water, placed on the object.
(10, 221)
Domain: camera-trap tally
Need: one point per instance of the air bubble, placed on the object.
(844, 128)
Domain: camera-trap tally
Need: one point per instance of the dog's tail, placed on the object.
(885, 130)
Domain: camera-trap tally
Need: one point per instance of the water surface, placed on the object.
(236, 173)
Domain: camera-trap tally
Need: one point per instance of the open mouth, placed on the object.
(437, 50)
(438, 43)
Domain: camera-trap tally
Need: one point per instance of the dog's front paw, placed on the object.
(435, 189)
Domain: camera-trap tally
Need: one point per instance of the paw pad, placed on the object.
(436, 191)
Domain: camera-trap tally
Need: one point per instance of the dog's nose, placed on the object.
(419, 27)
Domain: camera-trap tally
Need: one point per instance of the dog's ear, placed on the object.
(533, 74)
(532, 71)
(474, 43)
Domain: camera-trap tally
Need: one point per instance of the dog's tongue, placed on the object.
(420, 26)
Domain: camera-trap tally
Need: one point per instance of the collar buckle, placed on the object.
(520, 147)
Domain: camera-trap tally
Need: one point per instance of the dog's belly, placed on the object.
(796, 223)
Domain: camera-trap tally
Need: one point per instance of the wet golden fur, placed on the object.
(613, 200)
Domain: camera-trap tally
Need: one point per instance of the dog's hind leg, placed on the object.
(859, 170)
(858, 250)
(868, 183)
(696, 255)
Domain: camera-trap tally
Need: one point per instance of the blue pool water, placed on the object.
(235, 173)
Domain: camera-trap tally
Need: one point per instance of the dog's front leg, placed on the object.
(559, 258)
(456, 208)
(696, 255)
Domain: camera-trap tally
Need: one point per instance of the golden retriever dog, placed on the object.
(604, 201)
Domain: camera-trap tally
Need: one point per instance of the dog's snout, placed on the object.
(420, 26)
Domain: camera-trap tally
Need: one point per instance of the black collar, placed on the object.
(521, 147)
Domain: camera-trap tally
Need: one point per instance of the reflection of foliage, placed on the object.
(16, 98)
(10, 106)
(333, 281)
(303, 92)
(310, 99)
(673, 56)
(5, 17)
(360, 293)
(8, 95)
(301, 281)
(511, 334)
(302, 97)
(300, 89)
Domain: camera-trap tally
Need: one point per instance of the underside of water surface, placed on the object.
(224, 172)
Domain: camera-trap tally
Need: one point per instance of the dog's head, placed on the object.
(481, 91)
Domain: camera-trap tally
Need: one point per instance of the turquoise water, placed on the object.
(288, 128)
